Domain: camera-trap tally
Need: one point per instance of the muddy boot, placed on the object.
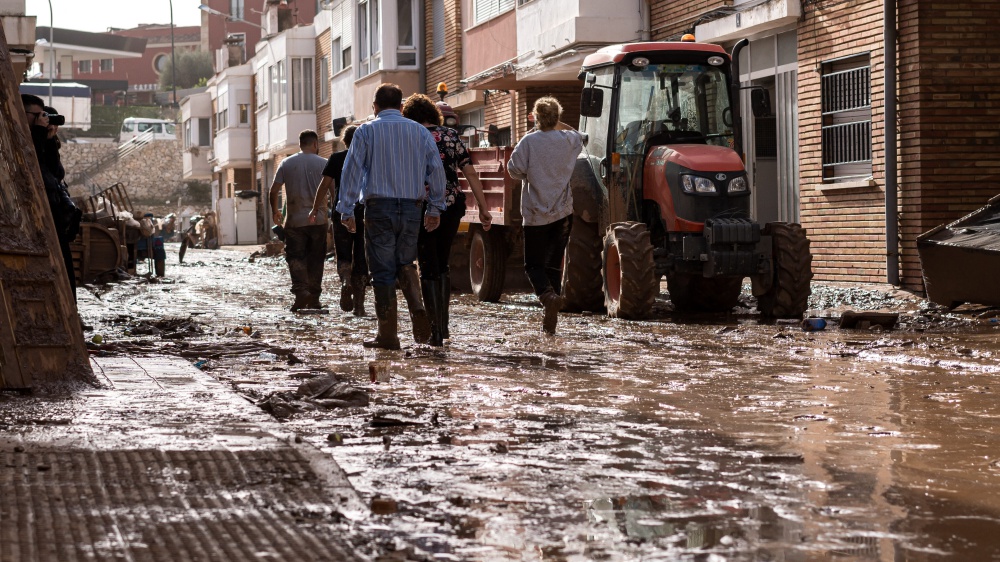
(409, 282)
(385, 310)
(431, 290)
(552, 303)
(346, 288)
(444, 299)
(358, 289)
(301, 302)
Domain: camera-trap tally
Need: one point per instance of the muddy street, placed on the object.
(706, 438)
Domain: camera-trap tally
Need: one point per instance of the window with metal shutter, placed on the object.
(488, 9)
(438, 30)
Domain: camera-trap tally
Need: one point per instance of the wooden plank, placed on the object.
(11, 374)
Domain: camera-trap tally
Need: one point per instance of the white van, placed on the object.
(132, 127)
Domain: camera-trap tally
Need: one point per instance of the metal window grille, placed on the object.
(847, 126)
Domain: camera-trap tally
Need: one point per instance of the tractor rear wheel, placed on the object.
(630, 283)
(788, 294)
(694, 293)
(487, 264)
(581, 282)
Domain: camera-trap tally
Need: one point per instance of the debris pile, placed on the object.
(321, 393)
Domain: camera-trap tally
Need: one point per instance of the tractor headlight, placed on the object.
(738, 185)
(696, 184)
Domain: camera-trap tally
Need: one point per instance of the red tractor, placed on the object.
(661, 190)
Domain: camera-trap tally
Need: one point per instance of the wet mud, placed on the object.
(703, 438)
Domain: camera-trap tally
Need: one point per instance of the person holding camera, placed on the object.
(44, 127)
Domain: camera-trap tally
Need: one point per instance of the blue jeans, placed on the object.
(391, 230)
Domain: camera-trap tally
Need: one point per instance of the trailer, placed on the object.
(495, 257)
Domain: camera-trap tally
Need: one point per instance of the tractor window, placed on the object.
(597, 127)
(667, 103)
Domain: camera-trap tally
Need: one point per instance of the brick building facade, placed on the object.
(948, 119)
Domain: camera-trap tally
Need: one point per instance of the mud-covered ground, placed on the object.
(711, 438)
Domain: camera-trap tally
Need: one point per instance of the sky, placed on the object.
(99, 15)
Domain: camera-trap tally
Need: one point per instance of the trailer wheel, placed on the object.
(788, 295)
(160, 266)
(694, 293)
(630, 283)
(582, 281)
(487, 264)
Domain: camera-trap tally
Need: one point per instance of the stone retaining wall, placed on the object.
(152, 174)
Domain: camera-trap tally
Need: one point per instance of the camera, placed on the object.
(57, 120)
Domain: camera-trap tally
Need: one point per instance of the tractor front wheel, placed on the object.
(630, 283)
(581, 282)
(789, 290)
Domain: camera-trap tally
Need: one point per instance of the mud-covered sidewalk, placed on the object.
(164, 463)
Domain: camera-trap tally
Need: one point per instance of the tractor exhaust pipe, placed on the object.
(736, 99)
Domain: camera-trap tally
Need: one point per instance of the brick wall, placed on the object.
(669, 19)
(448, 67)
(949, 115)
(497, 109)
(324, 114)
(846, 226)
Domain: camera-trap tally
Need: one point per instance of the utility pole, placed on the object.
(173, 57)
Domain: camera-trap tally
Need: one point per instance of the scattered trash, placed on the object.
(378, 371)
(167, 328)
(200, 364)
(384, 506)
(813, 324)
(327, 392)
(864, 320)
(274, 248)
(98, 338)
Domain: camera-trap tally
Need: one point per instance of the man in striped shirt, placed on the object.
(392, 167)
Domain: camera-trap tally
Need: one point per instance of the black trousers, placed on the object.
(351, 247)
(544, 247)
(434, 248)
(305, 252)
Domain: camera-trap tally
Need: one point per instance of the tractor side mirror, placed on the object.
(591, 102)
(760, 102)
(466, 130)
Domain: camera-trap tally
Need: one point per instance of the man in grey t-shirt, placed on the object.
(305, 242)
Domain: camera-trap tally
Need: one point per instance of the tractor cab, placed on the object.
(675, 95)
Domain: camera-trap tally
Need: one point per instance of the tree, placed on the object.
(192, 67)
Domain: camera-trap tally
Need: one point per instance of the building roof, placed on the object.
(60, 89)
(95, 85)
(84, 45)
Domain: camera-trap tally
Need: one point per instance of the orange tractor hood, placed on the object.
(699, 157)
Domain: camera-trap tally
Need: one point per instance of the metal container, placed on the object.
(961, 260)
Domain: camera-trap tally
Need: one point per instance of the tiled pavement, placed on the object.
(165, 464)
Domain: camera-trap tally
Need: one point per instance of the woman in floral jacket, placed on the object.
(434, 248)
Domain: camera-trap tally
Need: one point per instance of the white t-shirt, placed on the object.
(546, 160)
